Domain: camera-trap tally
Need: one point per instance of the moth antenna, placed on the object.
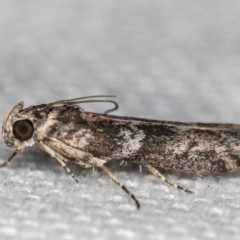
(112, 109)
(80, 100)
(115, 180)
(94, 101)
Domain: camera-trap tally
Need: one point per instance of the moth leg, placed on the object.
(62, 159)
(9, 160)
(122, 162)
(115, 180)
(156, 173)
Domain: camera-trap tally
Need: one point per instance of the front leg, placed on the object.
(64, 153)
(62, 159)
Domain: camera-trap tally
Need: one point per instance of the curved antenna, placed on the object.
(110, 101)
(79, 100)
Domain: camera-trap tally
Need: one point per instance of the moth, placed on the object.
(69, 134)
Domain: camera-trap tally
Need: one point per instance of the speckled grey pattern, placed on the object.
(170, 60)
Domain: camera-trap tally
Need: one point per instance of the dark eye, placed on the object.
(23, 130)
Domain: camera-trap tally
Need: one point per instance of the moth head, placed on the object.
(17, 129)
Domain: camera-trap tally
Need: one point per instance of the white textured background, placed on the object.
(172, 60)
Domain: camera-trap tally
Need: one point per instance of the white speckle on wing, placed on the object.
(201, 145)
(132, 140)
(81, 138)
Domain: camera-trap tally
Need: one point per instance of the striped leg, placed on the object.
(62, 159)
(9, 160)
(120, 185)
(63, 162)
(156, 173)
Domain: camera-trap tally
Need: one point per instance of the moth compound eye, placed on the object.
(23, 130)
